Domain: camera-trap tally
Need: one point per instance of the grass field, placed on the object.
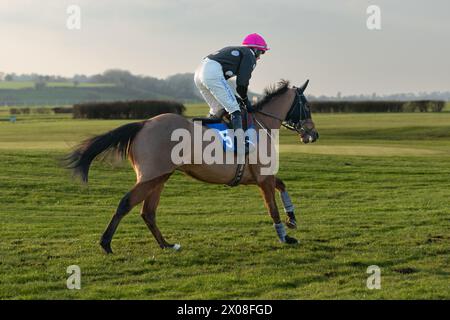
(30, 84)
(373, 190)
(57, 94)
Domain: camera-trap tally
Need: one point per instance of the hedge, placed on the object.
(19, 111)
(57, 110)
(377, 106)
(139, 109)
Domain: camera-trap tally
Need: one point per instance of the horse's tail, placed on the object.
(117, 140)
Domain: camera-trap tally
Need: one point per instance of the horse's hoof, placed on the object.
(289, 240)
(175, 246)
(106, 246)
(291, 224)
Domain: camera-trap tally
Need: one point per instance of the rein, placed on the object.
(263, 126)
(295, 120)
(297, 127)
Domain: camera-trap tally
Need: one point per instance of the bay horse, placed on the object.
(148, 145)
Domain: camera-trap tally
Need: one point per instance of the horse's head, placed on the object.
(299, 117)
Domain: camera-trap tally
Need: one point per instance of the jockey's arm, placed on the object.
(247, 65)
(242, 91)
(244, 74)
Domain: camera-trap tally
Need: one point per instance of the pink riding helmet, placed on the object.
(254, 40)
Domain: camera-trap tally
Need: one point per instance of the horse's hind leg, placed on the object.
(291, 222)
(139, 192)
(148, 213)
(268, 191)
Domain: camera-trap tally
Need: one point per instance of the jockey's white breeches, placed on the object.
(214, 88)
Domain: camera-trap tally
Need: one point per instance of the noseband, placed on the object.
(297, 115)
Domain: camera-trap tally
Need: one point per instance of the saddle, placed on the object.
(222, 123)
(224, 117)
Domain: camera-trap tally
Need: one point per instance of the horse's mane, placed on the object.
(272, 92)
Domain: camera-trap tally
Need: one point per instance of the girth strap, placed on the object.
(238, 176)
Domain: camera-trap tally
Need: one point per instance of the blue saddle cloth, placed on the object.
(227, 142)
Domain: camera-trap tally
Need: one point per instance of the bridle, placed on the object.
(298, 115)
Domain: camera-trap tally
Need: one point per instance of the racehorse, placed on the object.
(148, 145)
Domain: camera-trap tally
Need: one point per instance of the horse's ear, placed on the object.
(303, 87)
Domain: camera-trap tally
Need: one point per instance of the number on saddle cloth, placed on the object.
(227, 142)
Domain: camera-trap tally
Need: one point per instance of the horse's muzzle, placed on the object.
(309, 137)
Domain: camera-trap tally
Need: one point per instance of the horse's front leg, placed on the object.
(268, 190)
(291, 222)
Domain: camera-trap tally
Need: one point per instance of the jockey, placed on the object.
(216, 68)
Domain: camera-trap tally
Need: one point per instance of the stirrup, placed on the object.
(218, 115)
(212, 116)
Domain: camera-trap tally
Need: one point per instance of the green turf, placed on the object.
(373, 191)
(196, 110)
(447, 107)
(63, 94)
(30, 84)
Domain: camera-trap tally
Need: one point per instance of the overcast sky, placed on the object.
(325, 41)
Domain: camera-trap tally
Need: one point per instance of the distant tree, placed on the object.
(9, 77)
(40, 84)
(80, 78)
(122, 78)
(96, 78)
(182, 86)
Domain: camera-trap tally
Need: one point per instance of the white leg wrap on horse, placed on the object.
(287, 203)
(281, 231)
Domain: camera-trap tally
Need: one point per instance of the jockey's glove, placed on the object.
(248, 105)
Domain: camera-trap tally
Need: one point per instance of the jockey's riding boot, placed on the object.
(236, 123)
(236, 120)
